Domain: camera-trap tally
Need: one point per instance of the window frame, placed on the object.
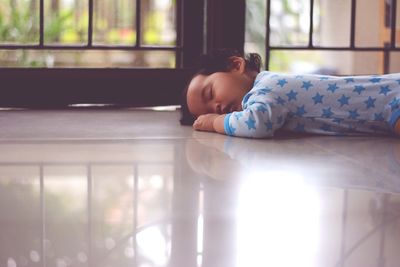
(203, 25)
(390, 19)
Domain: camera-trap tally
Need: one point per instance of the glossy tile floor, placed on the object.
(133, 188)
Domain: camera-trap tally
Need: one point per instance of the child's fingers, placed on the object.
(197, 124)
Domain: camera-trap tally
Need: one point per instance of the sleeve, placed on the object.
(258, 120)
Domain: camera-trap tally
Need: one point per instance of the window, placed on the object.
(90, 33)
(86, 52)
(54, 53)
(332, 37)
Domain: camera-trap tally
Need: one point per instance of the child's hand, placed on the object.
(205, 122)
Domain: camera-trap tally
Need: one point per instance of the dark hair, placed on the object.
(216, 61)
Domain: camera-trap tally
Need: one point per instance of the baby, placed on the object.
(230, 95)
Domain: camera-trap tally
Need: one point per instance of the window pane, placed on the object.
(158, 22)
(19, 21)
(370, 23)
(289, 22)
(114, 22)
(66, 21)
(255, 27)
(398, 24)
(87, 58)
(386, 28)
(394, 62)
(327, 62)
(332, 23)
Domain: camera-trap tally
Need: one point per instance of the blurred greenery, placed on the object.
(60, 27)
(289, 33)
(19, 24)
(154, 27)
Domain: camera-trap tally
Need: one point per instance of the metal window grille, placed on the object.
(201, 25)
(390, 21)
(138, 46)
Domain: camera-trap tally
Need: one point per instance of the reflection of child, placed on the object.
(230, 96)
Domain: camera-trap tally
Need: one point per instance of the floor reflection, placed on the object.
(209, 200)
(364, 163)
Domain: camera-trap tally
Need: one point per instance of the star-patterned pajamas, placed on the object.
(318, 104)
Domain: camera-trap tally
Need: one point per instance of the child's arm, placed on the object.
(210, 123)
(258, 120)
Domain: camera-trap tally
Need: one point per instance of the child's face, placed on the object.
(220, 92)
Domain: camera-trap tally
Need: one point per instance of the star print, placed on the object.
(301, 111)
(299, 127)
(282, 82)
(292, 95)
(326, 127)
(384, 90)
(349, 80)
(353, 114)
(238, 115)
(398, 81)
(370, 102)
(378, 117)
(264, 91)
(251, 124)
(344, 100)
(323, 78)
(375, 80)
(327, 113)
(261, 108)
(269, 125)
(307, 85)
(317, 98)
(394, 103)
(280, 100)
(332, 87)
(359, 89)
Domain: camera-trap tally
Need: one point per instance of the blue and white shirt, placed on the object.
(318, 104)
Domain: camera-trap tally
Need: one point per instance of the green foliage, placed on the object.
(154, 24)
(18, 26)
(57, 25)
(121, 36)
(287, 34)
(255, 13)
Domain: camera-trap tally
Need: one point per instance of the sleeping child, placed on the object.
(229, 95)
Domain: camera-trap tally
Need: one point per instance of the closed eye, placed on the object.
(211, 94)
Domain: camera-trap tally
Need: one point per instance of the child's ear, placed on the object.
(237, 64)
